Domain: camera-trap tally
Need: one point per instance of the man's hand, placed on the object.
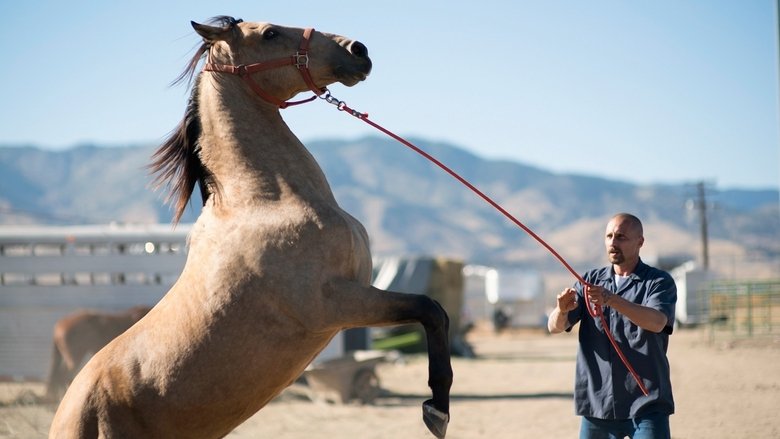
(558, 320)
(567, 300)
(598, 295)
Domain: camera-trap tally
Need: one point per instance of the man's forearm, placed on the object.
(557, 322)
(646, 318)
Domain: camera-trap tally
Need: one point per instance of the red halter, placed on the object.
(300, 60)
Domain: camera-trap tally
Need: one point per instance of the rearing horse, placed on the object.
(275, 267)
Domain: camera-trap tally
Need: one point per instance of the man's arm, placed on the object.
(558, 321)
(645, 317)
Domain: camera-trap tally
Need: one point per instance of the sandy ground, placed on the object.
(520, 386)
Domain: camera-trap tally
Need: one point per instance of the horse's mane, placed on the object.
(176, 164)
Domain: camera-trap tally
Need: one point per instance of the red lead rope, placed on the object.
(594, 310)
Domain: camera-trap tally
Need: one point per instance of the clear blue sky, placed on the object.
(645, 91)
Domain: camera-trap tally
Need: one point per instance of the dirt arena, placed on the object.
(519, 387)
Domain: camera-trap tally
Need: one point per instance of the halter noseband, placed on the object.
(300, 60)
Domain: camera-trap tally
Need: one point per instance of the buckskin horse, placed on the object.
(275, 267)
(82, 333)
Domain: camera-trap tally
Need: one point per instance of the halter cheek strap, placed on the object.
(300, 60)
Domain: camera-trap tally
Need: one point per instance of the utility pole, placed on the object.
(701, 205)
(698, 204)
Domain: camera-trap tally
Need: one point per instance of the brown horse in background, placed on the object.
(275, 267)
(79, 334)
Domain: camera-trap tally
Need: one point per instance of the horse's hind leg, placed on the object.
(58, 379)
(351, 305)
(63, 367)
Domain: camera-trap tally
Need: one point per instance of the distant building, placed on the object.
(692, 294)
(511, 297)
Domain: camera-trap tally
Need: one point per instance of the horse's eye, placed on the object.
(270, 34)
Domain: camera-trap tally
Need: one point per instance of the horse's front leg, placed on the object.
(351, 305)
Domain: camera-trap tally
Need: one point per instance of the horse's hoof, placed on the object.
(435, 420)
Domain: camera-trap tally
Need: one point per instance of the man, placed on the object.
(638, 305)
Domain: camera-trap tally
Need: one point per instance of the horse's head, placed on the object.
(283, 61)
(276, 62)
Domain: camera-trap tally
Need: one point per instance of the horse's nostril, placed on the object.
(358, 49)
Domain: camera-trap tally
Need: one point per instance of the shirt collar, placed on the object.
(637, 274)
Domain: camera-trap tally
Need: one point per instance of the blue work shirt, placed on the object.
(604, 388)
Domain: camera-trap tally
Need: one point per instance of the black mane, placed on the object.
(176, 164)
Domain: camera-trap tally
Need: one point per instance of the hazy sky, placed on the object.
(645, 91)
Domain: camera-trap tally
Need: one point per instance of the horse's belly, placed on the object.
(243, 349)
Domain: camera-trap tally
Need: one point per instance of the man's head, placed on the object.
(623, 239)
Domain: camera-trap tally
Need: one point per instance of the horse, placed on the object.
(275, 267)
(82, 333)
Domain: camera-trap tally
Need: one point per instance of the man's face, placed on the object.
(622, 241)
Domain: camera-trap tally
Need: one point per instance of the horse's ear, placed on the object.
(210, 34)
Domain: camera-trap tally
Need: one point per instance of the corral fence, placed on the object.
(743, 309)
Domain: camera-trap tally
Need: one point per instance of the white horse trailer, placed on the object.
(692, 294)
(48, 272)
(515, 293)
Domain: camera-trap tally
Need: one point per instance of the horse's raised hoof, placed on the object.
(435, 420)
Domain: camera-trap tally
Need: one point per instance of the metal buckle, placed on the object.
(301, 60)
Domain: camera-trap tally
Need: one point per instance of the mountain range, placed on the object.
(411, 207)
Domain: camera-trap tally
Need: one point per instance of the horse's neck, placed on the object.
(252, 153)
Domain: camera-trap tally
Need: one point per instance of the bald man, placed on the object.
(638, 304)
